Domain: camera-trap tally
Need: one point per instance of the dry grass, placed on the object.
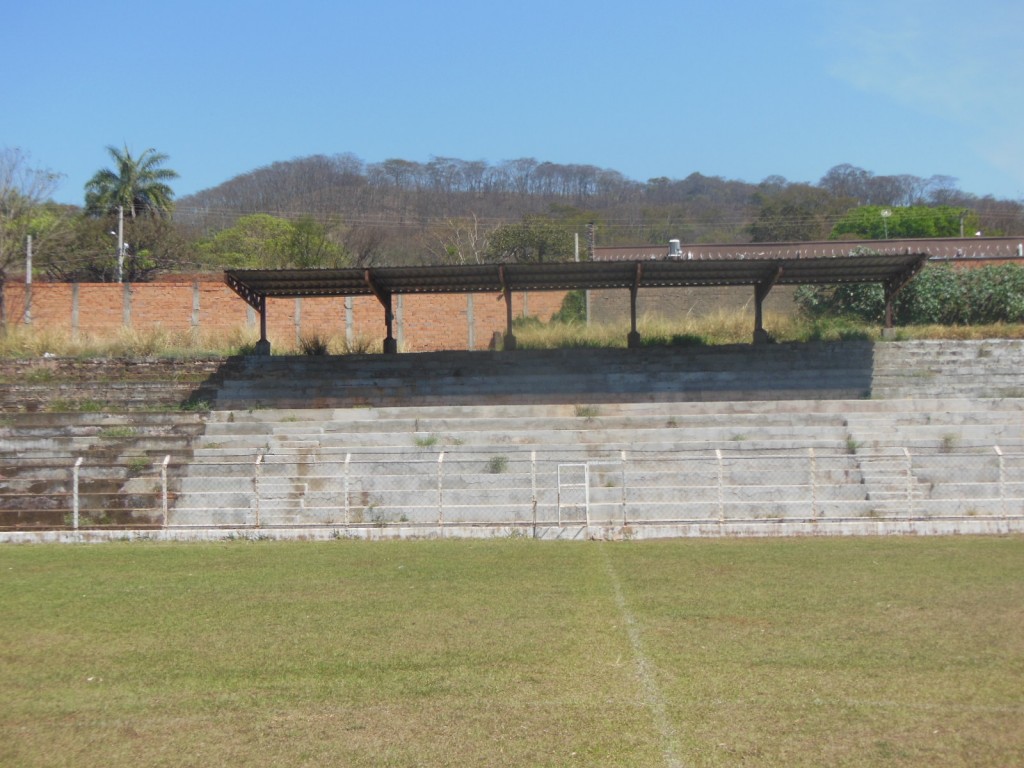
(719, 328)
(894, 652)
(21, 342)
(962, 332)
(737, 328)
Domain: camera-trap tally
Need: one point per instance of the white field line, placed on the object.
(653, 698)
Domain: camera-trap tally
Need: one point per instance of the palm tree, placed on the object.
(138, 185)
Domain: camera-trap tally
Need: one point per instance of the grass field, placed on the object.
(802, 652)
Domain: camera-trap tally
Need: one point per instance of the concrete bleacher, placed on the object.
(118, 453)
(677, 454)
(795, 432)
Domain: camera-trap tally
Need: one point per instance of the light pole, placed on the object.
(886, 213)
(120, 243)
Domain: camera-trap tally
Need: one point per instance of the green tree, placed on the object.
(534, 240)
(876, 222)
(794, 212)
(311, 246)
(24, 190)
(253, 242)
(261, 241)
(139, 185)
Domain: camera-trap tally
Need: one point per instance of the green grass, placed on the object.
(804, 652)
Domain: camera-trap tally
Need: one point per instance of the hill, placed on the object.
(402, 211)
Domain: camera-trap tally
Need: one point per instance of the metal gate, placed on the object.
(593, 493)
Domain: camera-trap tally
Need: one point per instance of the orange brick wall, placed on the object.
(422, 323)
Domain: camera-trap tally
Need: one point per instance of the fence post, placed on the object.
(533, 489)
(721, 492)
(814, 483)
(74, 493)
(1002, 481)
(256, 485)
(440, 489)
(163, 486)
(348, 518)
(586, 492)
(624, 519)
(910, 485)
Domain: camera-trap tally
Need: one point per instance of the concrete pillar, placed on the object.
(126, 306)
(195, 305)
(349, 333)
(74, 310)
(400, 317)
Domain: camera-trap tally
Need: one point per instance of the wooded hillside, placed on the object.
(401, 211)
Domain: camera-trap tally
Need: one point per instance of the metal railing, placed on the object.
(515, 488)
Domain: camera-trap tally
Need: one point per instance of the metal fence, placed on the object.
(515, 488)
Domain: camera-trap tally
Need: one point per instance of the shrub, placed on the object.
(940, 295)
(860, 301)
(496, 465)
(934, 297)
(573, 309)
(314, 344)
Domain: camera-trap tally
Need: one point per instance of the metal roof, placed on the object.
(741, 269)
(938, 248)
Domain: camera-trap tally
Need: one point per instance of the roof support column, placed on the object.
(390, 342)
(510, 339)
(384, 297)
(633, 340)
(761, 291)
(258, 301)
(893, 286)
(890, 298)
(263, 345)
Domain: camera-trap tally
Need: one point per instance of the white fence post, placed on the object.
(348, 508)
(910, 482)
(623, 456)
(440, 489)
(256, 485)
(1002, 481)
(721, 491)
(533, 489)
(163, 486)
(814, 483)
(74, 493)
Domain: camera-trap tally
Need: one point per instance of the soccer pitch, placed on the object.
(795, 652)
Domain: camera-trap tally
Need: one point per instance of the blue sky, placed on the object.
(741, 90)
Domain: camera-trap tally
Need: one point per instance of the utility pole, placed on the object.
(120, 243)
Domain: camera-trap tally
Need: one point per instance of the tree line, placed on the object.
(330, 211)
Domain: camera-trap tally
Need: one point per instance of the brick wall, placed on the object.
(422, 323)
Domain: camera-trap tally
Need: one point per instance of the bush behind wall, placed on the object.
(940, 295)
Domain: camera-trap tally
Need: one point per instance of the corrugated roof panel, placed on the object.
(741, 269)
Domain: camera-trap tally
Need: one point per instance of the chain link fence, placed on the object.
(563, 487)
